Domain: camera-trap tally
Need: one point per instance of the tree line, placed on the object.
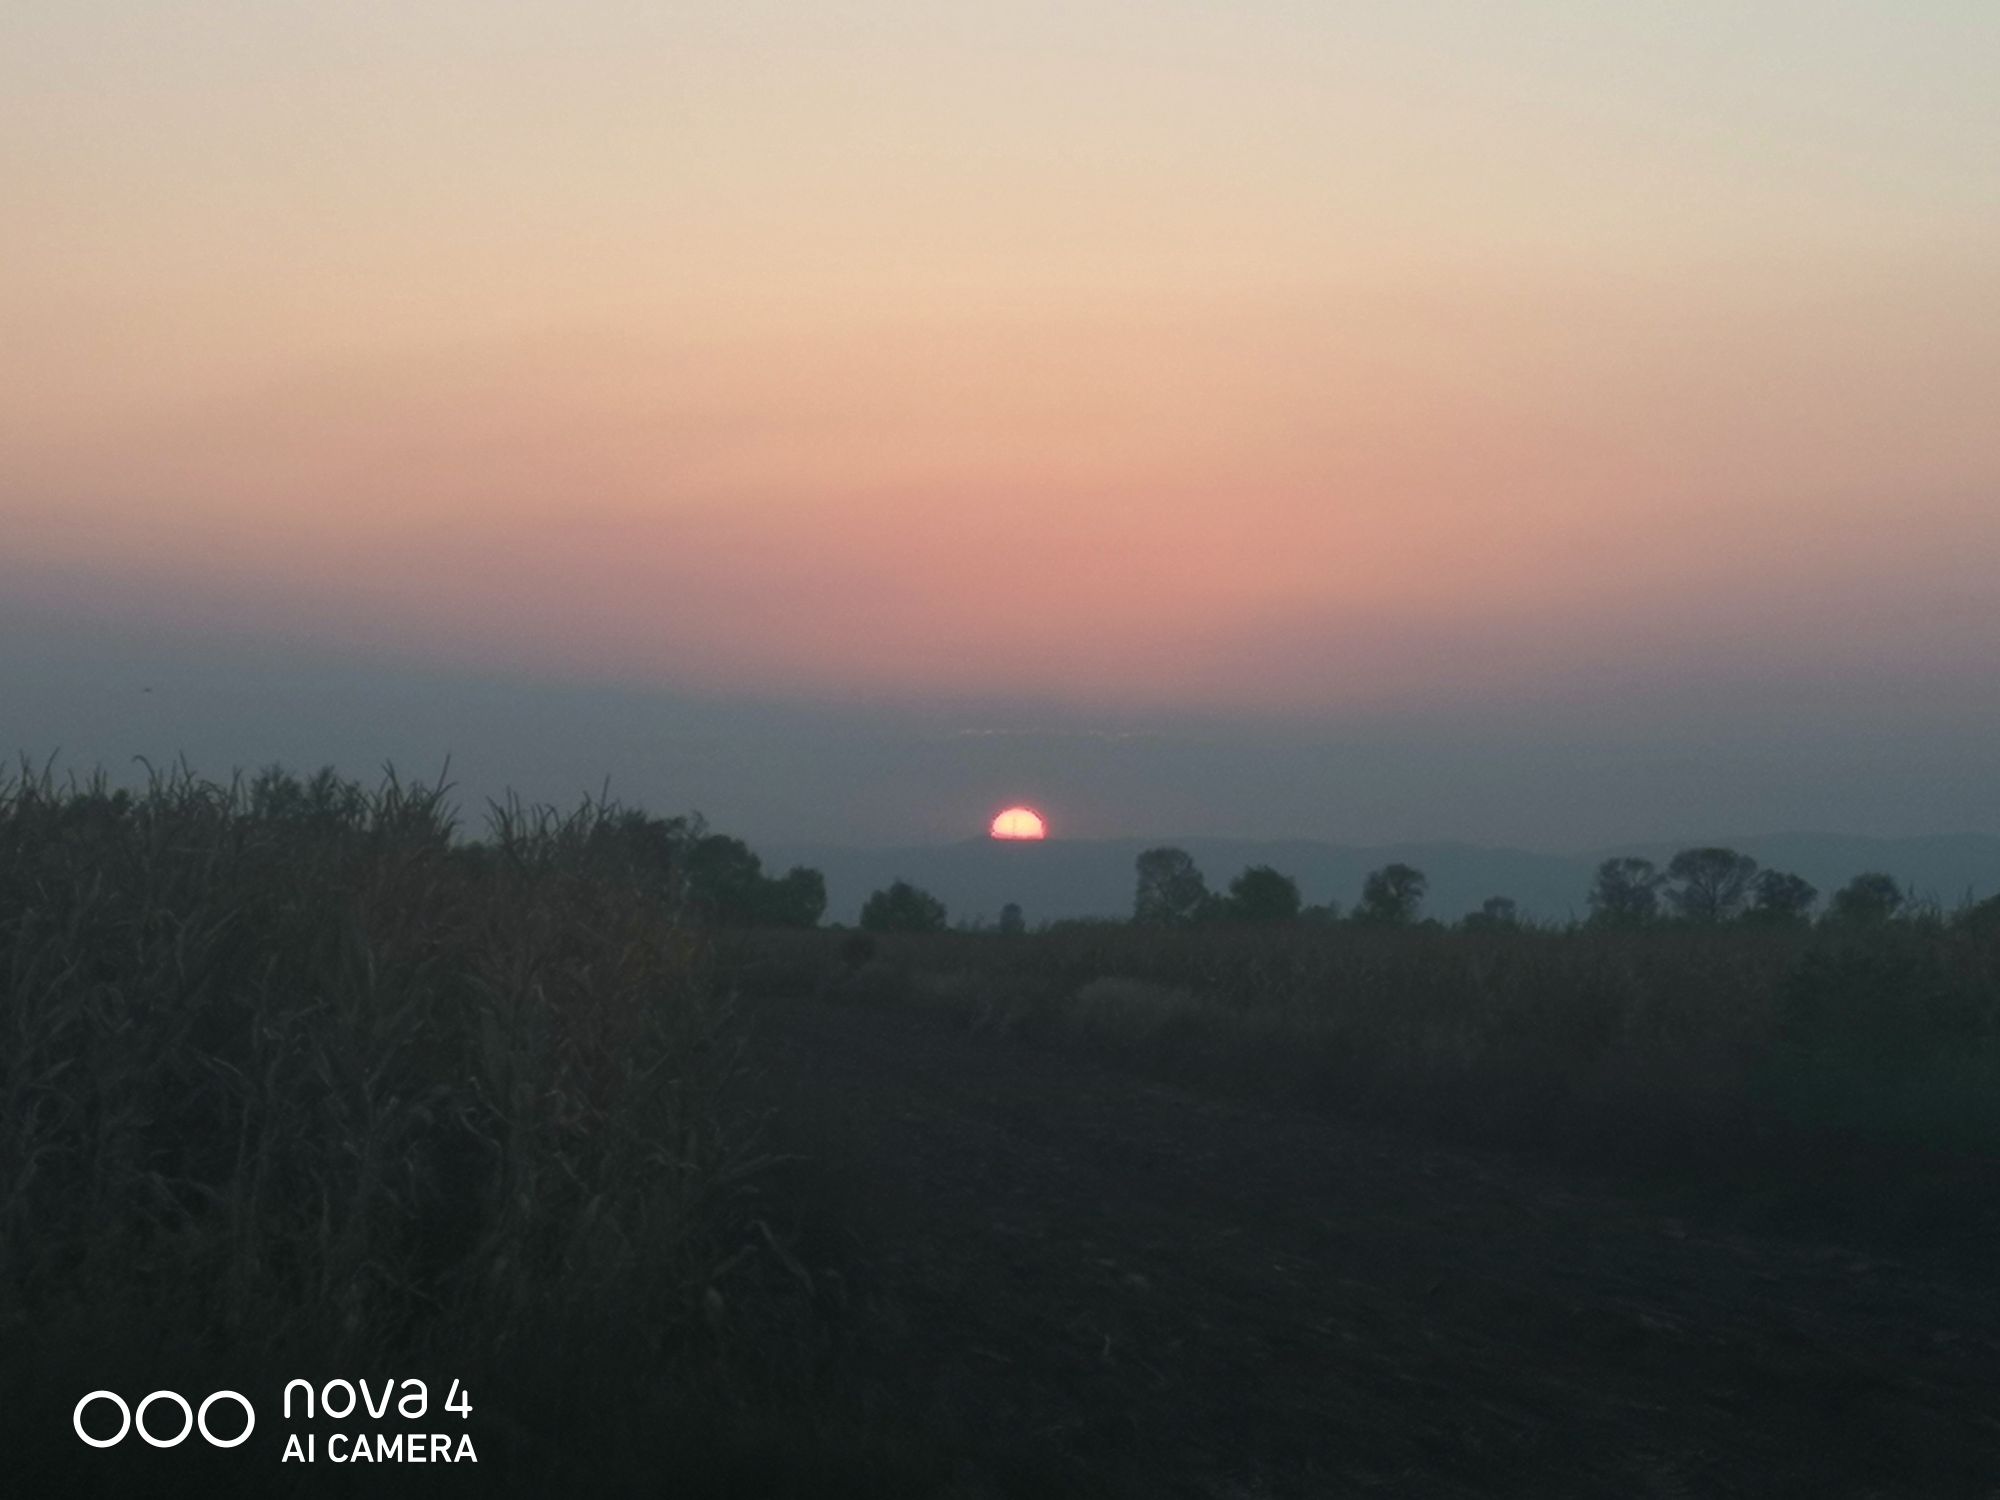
(723, 880)
(714, 875)
(1706, 886)
(1173, 892)
(1703, 886)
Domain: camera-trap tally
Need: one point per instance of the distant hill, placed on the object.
(1085, 878)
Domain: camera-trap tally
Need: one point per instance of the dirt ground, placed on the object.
(1070, 1280)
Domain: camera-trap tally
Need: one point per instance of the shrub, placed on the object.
(902, 907)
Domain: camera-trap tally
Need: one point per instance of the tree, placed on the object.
(1391, 896)
(797, 899)
(902, 907)
(1780, 899)
(1495, 914)
(725, 879)
(1867, 900)
(1321, 916)
(1171, 892)
(1711, 884)
(1012, 923)
(649, 849)
(1624, 893)
(1262, 894)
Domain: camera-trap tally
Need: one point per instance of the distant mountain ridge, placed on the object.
(1094, 877)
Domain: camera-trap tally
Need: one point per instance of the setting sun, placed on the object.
(1020, 823)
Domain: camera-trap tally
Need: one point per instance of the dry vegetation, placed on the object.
(294, 1082)
(296, 1079)
(1818, 1061)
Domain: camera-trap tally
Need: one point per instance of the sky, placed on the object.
(1546, 423)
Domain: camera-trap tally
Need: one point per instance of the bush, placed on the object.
(902, 907)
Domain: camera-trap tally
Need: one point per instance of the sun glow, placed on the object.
(1020, 823)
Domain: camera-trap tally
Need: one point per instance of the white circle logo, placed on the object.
(249, 1419)
(124, 1419)
(187, 1419)
(191, 1419)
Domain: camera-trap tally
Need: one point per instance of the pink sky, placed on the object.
(1155, 357)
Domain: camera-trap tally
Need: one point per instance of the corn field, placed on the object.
(294, 1078)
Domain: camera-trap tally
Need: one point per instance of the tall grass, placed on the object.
(294, 1080)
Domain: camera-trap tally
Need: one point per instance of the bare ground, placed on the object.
(1050, 1277)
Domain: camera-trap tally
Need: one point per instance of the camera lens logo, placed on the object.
(191, 1419)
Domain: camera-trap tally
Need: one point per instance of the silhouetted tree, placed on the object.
(1262, 894)
(1495, 914)
(1867, 900)
(1391, 896)
(1710, 885)
(796, 899)
(651, 850)
(1171, 892)
(1012, 923)
(1780, 899)
(1321, 915)
(726, 880)
(1624, 893)
(902, 907)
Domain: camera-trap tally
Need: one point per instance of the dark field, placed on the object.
(1061, 1279)
(303, 1082)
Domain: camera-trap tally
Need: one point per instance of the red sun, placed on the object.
(1020, 823)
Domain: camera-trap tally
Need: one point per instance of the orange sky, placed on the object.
(1180, 355)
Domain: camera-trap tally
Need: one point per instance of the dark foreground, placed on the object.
(1045, 1277)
